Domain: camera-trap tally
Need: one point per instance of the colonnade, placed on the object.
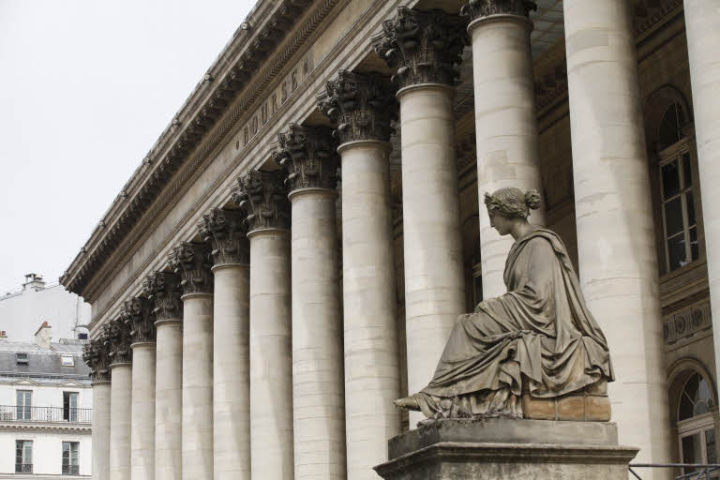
(260, 363)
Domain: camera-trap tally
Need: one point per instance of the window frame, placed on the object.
(21, 453)
(23, 409)
(70, 465)
(70, 413)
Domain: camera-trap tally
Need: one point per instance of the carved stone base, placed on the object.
(503, 448)
(590, 405)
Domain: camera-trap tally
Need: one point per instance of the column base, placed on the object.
(501, 448)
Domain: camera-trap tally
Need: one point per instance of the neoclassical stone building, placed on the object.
(293, 251)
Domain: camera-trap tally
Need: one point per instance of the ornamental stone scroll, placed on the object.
(484, 8)
(263, 195)
(162, 289)
(192, 262)
(97, 356)
(118, 340)
(309, 156)
(141, 319)
(226, 232)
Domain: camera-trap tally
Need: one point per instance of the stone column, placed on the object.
(505, 119)
(95, 354)
(163, 290)
(309, 156)
(139, 317)
(702, 18)
(616, 240)
(192, 262)
(118, 337)
(363, 106)
(264, 198)
(224, 230)
(424, 47)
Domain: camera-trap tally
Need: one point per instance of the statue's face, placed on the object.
(501, 223)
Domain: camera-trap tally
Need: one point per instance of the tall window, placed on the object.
(70, 465)
(696, 429)
(70, 406)
(23, 404)
(23, 456)
(680, 231)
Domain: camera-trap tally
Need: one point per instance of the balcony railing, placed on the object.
(23, 468)
(13, 413)
(71, 470)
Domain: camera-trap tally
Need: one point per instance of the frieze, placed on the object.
(225, 230)
(162, 289)
(97, 356)
(263, 195)
(686, 323)
(141, 319)
(118, 340)
(309, 157)
(424, 47)
(362, 105)
(484, 8)
(192, 262)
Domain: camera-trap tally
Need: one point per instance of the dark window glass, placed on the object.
(691, 450)
(694, 249)
(676, 252)
(670, 126)
(710, 446)
(670, 179)
(673, 217)
(695, 398)
(689, 200)
(687, 170)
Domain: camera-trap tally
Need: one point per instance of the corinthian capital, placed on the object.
(192, 262)
(118, 340)
(361, 105)
(424, 47)
(309, 156)
(225, 231)
(484, 8)
(141, 319)
(97, 356)
(162, 289)
(263, 195)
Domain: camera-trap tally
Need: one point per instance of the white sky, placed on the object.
(86, 87)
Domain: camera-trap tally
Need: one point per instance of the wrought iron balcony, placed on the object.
(14, 413)
(23, 468)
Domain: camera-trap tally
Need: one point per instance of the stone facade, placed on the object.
(332, 279)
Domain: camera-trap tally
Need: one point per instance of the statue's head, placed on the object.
(510, 205)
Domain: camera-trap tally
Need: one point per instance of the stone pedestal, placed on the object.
(503, 448)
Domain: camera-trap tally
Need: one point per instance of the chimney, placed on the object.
(34, 281)
(43, 336)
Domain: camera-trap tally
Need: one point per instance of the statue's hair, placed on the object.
(512, 202)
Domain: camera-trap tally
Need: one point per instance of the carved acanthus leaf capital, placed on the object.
(192, 262)
(162, 289)
(424, 47)
(309, 157)
(97, 356)
(141, 319)
(361, 105)
(118, 339)
(484, 8)
(225, 230)
(263, 195)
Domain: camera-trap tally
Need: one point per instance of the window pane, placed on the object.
(690, 208)
(673, 217)
(687, 169)
(694, 249)
(691, 449)
(710, 446)
(676, 252)
(28, 452)
(670, 179)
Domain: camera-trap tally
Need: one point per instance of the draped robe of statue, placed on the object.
(538, 338)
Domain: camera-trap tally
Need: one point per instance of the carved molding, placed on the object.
(361, 105)
(192, 262)
(687, 323)
(309, 157)
(141, 319)
(162, 289)
(225, 230)
(118, 339)
(484, 8)
(424, 47)
(263, 195)
(97, 356)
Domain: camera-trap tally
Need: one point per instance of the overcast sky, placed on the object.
(86, 87)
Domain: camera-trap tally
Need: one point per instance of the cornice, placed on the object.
(226, 83)
(38, 427)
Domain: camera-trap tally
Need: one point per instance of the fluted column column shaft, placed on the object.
(318, 391)
(271, 427)
(101, 430)
(168, 400)
(616, 241)
(506, 128)
(197, 387)
(231, 387)
(120, 415)
(372, 374)
(702, 18)
(434, 281)
(142, 436)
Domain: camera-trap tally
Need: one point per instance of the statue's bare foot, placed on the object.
(409, 403)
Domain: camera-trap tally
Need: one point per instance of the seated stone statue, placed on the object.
(536, 343)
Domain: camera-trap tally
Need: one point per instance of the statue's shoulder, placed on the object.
(541, 234)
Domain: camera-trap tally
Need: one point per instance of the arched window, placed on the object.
(695, 425)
